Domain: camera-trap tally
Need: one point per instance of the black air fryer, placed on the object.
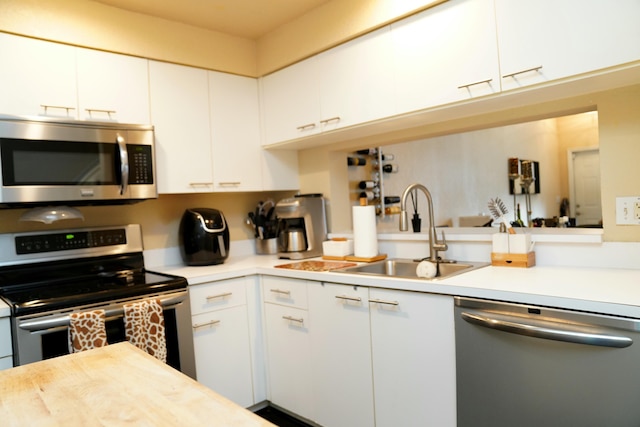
(204, 237)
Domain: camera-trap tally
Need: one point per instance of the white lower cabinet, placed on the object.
(6, 354)
(221, 338)
(341, 355)
(413, 351)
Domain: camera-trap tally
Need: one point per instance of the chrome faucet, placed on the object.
(435, 245)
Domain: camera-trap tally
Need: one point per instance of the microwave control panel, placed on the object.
(140, 164)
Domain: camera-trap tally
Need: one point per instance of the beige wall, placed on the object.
(91, 24)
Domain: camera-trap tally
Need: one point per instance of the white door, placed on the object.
(587, 206)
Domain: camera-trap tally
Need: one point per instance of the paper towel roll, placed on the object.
(365, 233)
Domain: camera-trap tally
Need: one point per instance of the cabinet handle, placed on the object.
(229, 183)
(307, 126)
(488, 81)
(294, 319)
(382, 301)
(280, 291)
(226, 294)
(108, 112)
(58, 107)
(332, 119)
(538, 68)
(348, 298)
(209, 324)
(200, 184)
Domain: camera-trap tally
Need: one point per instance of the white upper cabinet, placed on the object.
(180, 114)
(112, 87)
(548, 39)
(356, 81)
(347, 85)
(290, 102)
(446, 54)
(235, 132)
(37, 78)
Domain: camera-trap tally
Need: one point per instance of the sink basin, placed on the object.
(407, 268)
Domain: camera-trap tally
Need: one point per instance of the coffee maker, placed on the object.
(302, 226)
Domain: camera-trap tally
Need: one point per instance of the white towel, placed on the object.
(86, 331)
(144, 327)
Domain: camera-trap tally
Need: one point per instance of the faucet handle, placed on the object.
(440, 245)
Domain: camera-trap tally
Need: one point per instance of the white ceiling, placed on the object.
(243, 18)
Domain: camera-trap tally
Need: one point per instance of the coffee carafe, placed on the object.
(302, 226)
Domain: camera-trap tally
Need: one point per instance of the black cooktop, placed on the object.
(56, 285)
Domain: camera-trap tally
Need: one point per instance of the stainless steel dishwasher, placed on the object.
(521, 365)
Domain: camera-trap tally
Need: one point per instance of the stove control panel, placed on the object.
(39, 243)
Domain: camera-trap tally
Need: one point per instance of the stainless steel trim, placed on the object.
(348, 298)
(566, 334)
(488, 81)
(293, 319)
(47, 323)
(381, 301)
(124, 163)
(538, 68)
(202, 325)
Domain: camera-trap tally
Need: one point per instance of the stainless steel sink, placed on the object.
(407, 268)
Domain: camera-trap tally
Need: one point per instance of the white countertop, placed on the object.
(601, 290)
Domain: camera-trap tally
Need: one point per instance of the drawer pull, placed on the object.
(348, 298)
(209, 324)
(332, 119)
(538, 68)
(280, 291)
(488, 81)
(382, 301)
(307, 126)
(230, 183)
(224, 295)
(200, 184)
(56, 107)
(294, 319)
(95, 110)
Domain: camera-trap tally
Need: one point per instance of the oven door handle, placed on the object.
(566, 334)
(57, 322)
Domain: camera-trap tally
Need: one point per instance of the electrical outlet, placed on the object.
(628, 210)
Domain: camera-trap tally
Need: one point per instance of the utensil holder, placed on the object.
(267, 246)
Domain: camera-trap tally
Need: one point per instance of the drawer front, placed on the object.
(218, 295)
(285, 291)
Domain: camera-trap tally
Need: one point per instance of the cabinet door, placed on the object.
(356, 81)
(180, 113)
(112, 87)
(445, 54)
(290, 102)
(547, 40)
(37, 77)
(223, 355)
(5, 337)
(413, 351)
(341, 355)
(288, 358)
(235, 132)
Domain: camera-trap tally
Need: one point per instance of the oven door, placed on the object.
(45, 335)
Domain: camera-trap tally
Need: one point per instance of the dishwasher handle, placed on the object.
(565, 334)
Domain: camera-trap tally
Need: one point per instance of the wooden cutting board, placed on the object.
(112, 386)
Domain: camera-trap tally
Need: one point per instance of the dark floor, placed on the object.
(279, 418)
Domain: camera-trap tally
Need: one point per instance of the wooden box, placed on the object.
(513, 260)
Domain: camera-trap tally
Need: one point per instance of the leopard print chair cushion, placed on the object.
(86, 331)
(144, 327)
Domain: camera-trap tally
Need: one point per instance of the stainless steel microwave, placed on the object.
(45, 161)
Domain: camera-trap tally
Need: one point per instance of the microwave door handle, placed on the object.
(124, 164)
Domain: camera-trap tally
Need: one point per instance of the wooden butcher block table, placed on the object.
(116, 385)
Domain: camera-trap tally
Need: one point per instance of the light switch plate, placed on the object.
(628, 210)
